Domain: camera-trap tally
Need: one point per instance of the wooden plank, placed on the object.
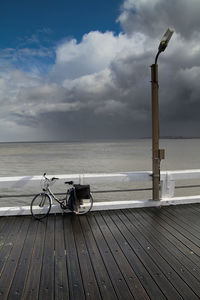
(61, 277)
(9, 237)
(115, 274)
(151, 265)
(21, 273)
(195, 208)
(12, 262)
(165, 235)
(88, 276)
(182, 216)
(183, 222)
(138, 266)
(3, 222)
(182, 226)
(189, 265)
(76, 290)
(31, 290)
(178, 235)
(103, 279)
(191, 261)
(47, 273)
(102, 255)
(165, 257)
(132, 280)
(190, 239)
(5, 229)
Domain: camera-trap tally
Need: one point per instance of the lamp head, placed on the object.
(165, 39)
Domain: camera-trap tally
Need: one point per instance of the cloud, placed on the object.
(152, 17)
(100, 87)
(93, 54)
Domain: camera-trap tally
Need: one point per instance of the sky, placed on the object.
(80, 70)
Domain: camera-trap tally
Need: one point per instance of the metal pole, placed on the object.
(155, 132)
(157, 154)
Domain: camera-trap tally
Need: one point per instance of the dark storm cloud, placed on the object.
(100, 87)
(151, 17)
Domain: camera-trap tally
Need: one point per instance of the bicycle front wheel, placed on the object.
(40, 206)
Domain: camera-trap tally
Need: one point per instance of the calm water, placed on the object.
(20, 159)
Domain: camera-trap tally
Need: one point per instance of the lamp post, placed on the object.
(157, 154)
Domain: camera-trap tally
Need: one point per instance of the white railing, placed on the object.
(168, 180)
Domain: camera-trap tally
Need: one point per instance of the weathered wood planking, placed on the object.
(148, 253)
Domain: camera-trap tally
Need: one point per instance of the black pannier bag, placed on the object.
(82, 191)
(71, 202)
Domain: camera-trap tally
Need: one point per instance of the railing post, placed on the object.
(167, 186)
(81, 178)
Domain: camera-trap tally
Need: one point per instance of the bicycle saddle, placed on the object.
(69, 182)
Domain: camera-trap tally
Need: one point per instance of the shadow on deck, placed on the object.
(124, 254)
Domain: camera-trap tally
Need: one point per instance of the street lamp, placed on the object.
(157, 154)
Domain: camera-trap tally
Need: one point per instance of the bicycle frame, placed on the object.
(72, 201)
(53, 196)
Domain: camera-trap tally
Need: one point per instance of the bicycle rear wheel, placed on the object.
(85, 206)
(40, 206)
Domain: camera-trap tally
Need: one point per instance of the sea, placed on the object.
(35, 158)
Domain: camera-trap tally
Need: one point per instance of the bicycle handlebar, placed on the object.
(50, 179)
(56, 178)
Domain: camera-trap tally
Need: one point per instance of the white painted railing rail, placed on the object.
(168, 180)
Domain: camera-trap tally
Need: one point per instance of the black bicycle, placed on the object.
(78, 198)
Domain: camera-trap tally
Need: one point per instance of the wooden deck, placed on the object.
(126, 254)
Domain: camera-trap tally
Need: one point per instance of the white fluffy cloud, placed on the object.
(101, 85)
(92, 55)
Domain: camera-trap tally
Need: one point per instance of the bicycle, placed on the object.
(78, 199)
